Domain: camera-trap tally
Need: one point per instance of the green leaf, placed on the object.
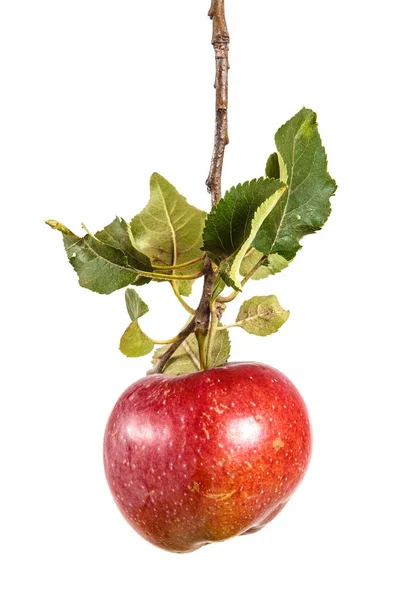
(185, 286)
(306, 206)
(274, 263)
(218, 287)
(234, 274)
(229, 223)
(100, 268)
(116, 235)
(234, 222)
(221, 349)
(134, 342)
(184, 361)
(272, 168)
(186, 358)
(135, 306)
(169, 230)
(261, 315)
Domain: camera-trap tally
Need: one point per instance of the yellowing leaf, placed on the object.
(134, 342)
(261, 315)
(273, 264)
(168, 230)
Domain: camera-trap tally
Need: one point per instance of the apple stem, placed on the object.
(201, 341)
(180, 298)
(212, 332)
(204, 321)
(220, 42)
(199, 324)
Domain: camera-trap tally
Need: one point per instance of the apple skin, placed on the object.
(203, 457)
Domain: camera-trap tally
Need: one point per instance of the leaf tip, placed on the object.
(58, 226)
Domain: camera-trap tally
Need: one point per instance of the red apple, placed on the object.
(203, 457)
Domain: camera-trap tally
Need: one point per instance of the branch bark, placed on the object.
(200, 323)
(220, 42)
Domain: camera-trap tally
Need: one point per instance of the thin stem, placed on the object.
(164, 342)
(212, 331)
(203, 310)
(169, 277)
(220, 42)
(181, 299)
(182, 265)
(165, 357)
(222, 327)
(192, 355)
(201, 342)
(199, 324)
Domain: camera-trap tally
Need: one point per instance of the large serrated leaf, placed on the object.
(186, 358)
(134, 342)
(306, 207)
(100, 268)
(229, 223)
(169, 230)
(273, 264)
(233, 224)
(233, 275)
(261, 315)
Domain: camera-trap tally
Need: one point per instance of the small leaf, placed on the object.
(184, 287)
(218, 287)
(306, 206)
(261, 315)
(272, 168)
(169, 230)
(134, 342)
(274, 263)
(186, 358)
(221, 349)
(100, 268)
(184, 361)
(135, 306)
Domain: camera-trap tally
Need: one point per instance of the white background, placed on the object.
(95, 97)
